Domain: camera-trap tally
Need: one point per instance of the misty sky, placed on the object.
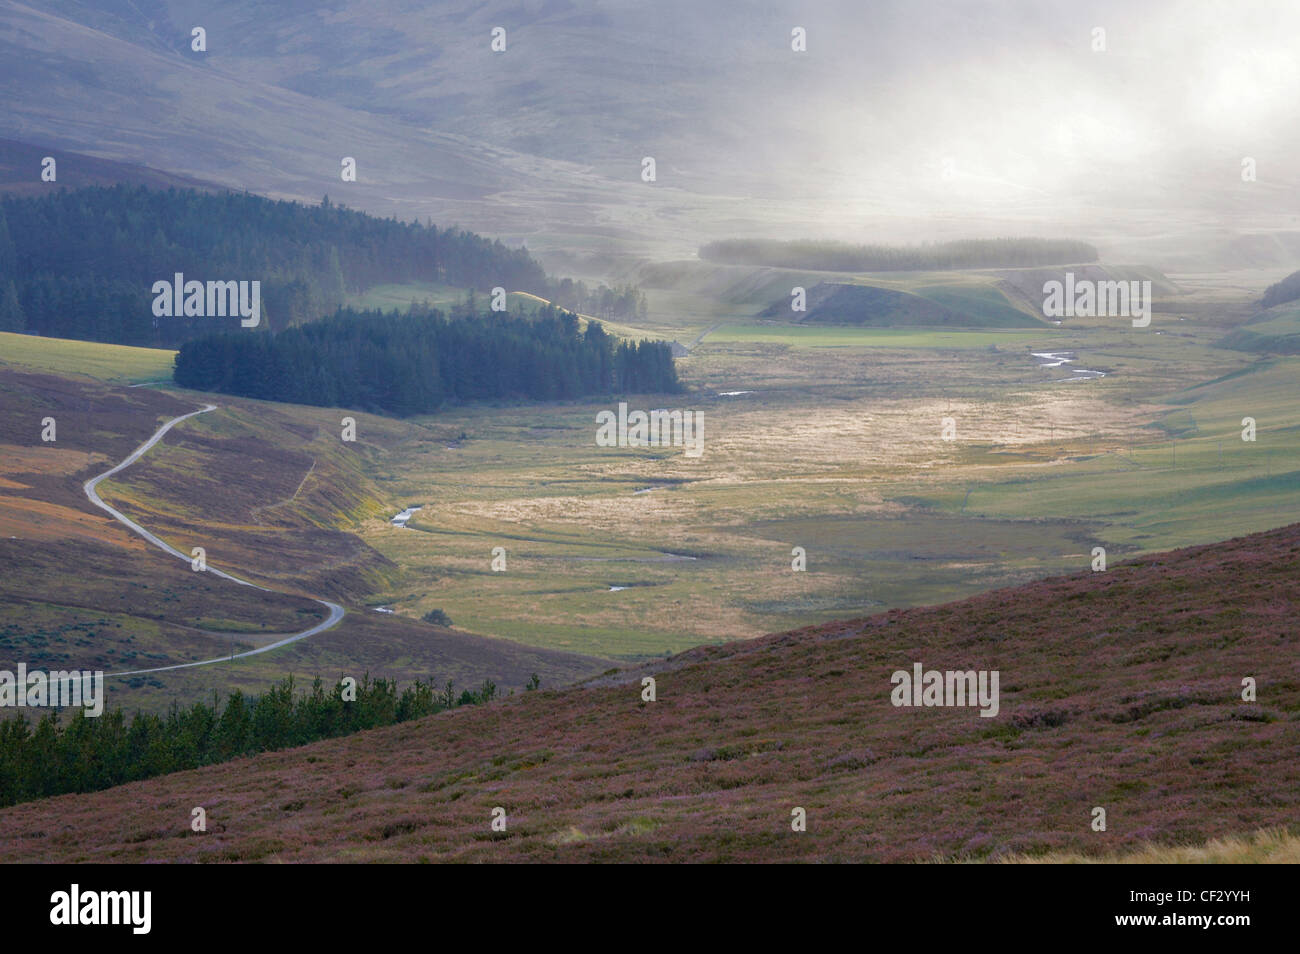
(1011, 102)
(904, 119)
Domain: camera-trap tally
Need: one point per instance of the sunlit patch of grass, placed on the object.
(1275, 846)
(107, 362)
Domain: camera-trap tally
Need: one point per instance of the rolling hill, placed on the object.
(1275, 329)
(932, 306)
(1120, 690)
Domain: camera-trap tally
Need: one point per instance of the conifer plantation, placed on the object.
(415, 363)
(81, 264)
(80, 754)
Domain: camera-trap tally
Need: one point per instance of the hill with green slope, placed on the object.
(956, 305)
(1275, 330)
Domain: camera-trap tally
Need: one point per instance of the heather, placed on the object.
(85, 754)
(1120, 689)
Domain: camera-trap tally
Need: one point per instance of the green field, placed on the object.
(401, 297)
(828, 336)
(119, 364)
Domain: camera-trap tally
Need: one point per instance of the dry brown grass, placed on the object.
(1271, 846)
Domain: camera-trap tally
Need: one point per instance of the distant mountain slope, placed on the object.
(539, 137)
(1257, 249)
(549, 134)
(1120, 690)
(846, 257)
(561, 90)
(123, 80)
(21, 165)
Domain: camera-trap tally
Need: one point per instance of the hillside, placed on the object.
(1275, 330)
(272, 495)
(968, 306)
(1119, 689)
(1279, 293)
(1025, 285)
(21, 164)
(139, 266)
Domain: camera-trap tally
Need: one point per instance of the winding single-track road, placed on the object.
(336, 611)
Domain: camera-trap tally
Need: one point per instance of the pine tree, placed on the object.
(12, 317)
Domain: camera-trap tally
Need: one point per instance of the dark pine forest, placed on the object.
(81, 264)
(415, 363)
